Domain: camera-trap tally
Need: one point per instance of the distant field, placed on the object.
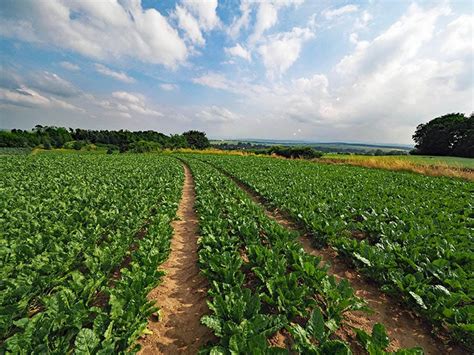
(452, 162)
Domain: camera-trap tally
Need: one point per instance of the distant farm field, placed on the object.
(176, 252)
(454, 162)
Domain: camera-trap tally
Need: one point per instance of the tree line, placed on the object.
(58, 137)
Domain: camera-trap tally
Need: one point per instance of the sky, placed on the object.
(314, 70)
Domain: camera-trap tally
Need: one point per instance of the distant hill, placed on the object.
(328, 147)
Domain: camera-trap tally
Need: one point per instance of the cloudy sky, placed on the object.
(317, 70)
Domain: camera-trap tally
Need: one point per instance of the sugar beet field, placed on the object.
(222, 254)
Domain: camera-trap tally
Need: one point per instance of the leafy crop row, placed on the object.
(69, 223)
(262, 282)
(413, 234)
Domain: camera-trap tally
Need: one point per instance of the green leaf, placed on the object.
(418, 299)
(335, 347)
(379, 336)
(86, 342)
(316, 324)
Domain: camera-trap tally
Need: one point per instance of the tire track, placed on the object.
(182, 294)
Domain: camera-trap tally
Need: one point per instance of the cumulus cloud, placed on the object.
(238, 51)
(332, 13)
(97, 29)
(399, 43)
(283, 49)
(216, 114)
(379, 91)
(205, 11)
(117, 75)
(386, 85)
(70, 66)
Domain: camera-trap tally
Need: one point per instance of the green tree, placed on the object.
(196, 139)
(451, 134)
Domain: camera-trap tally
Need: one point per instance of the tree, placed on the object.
(196, 139)
(451, 134)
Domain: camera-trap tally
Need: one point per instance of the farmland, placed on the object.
(410, 233)
(69, 225)
(84, 235)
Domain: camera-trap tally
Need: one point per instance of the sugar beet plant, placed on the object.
(411, 233)
(261, 280)
(69, 223)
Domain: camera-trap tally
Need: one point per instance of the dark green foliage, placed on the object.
(57, 137)
(77, 145)
(144, 147)
(451, 134)
(196, 139)
(295, 152)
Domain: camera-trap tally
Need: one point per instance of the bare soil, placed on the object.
(404, 328)
(182, 295)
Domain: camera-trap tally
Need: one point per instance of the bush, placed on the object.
(110, 151)
(295, 152)
(77, 145)
(144, 147)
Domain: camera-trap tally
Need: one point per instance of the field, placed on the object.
(452, 162)
(228, 254)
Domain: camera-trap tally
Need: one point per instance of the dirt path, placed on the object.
(182, 295)
(404, 328)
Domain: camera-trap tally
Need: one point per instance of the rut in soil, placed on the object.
(404, 328)
(182, 294)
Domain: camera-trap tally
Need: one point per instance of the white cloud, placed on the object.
(363, 20)
(459, 37)
(52, 83)
(347, 9)
(169, 87)
(238, 51)
(27, 97)
(117, 75)
(189, 25)
(238, 23)
(205, 11)
(283, 49)
(212, 80)
(267, 17)
(399, 43)
(98, 29)
(70, 66)
(216, 114)
(129, 103)
(385, 87)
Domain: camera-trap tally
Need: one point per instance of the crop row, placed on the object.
(68, 225)
(412, 234)
(263, 283)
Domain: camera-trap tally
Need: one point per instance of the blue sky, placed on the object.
(358, 71)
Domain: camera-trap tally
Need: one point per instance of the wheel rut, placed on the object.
(182, 294)
(404, 328)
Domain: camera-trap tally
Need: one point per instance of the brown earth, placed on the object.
(404, 328)
(182, 295)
